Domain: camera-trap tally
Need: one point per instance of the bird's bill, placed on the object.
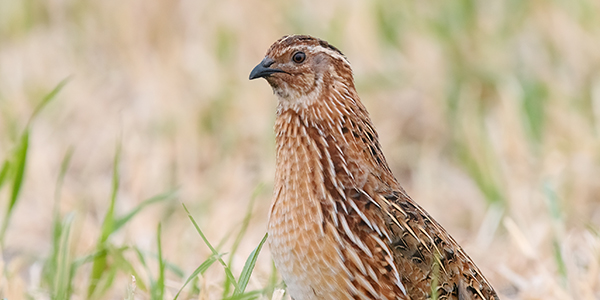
(263, 69)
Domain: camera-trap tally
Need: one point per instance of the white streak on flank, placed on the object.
(372, 273)
(327, 195)
(357, 241)
(409, 229)
(343, 206)
(341, 132)
(360, 213)
(398, 208)
(395, 220)
(340, 191)
(384, 232)
(430, 239)
(362, 281)
(341, 154)
(362, 295)
(337, 237)
(351, 287)
(344, 267)
(325, 143)
(339, 246)
(315, 148)
(439, 261)
(347, 171)
(331, 169)
(331, 166)
(376, 228)
(390, 260)
(353, 256)
(369, 197)
(381, 232)
(333, 213)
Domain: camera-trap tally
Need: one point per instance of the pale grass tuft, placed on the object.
(278, 294)
(131, 289)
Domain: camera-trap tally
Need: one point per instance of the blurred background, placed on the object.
(115, 113)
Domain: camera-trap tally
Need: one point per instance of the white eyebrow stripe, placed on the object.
(320, 48)
(285, 38)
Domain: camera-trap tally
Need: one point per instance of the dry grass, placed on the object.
(489, 113)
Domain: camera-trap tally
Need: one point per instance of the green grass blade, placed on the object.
(245, 296)
(123, 264)
(174, 269)
(64, 166)
(241, 234)
(245, 222)
(20, 161)
(49, 97)
(168, 265)
(118, 263)
(99, 265)
(249, 267)
(78, 263)
(4, 172)
(106, 281)
(50, 267)
(142, 260)
(159, 288)
(119, 222)
(212, 249)
(199, 270)
(19, 164)
(61, 286)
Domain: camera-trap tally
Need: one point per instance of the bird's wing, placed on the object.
(428, 258)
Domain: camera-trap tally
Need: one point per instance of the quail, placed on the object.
(340, 225)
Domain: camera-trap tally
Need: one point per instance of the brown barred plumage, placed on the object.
(341, 226)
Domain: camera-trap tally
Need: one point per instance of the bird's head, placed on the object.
(301, 69)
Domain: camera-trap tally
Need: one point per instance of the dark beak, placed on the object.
(263, 70)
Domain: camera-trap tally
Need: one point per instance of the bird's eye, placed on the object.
(299, 57)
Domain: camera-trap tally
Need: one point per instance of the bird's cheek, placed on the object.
(305, 83)
(276, 82)
(273, 82)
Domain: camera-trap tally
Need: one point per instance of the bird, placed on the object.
(340, 225)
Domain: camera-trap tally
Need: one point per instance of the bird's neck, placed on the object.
(333, 139)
